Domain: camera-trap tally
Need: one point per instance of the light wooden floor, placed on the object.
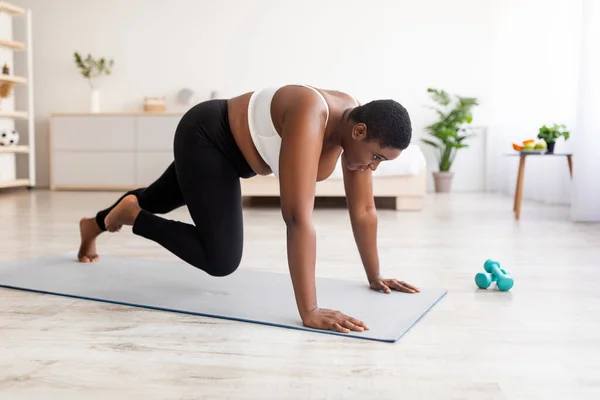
(539, 341)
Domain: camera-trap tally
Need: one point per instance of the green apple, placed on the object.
(529, 146)
(541, 145)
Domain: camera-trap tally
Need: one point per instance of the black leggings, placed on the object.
(205, 176)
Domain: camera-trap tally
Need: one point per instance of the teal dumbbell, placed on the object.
(496, 274)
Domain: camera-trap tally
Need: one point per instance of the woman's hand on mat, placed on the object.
(323, 318)
(387, 285)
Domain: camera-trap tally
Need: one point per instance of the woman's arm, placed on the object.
(363, 217)
(302, 142)
(299, 162)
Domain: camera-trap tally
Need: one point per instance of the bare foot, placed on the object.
(89, 231)
(124, 213)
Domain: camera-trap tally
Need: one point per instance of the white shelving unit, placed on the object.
(8, 46)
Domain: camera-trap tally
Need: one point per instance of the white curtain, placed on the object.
(534, 82)
(585, 204)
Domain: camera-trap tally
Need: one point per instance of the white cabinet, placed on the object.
(97, 169)
(155, 134)
(93, 133)
(110, 151)
(151, 165)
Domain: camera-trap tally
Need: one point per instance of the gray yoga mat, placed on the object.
(249, 296)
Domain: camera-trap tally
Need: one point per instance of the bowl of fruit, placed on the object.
(530, 146)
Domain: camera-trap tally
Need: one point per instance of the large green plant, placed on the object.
(450, 131)
(92, 68)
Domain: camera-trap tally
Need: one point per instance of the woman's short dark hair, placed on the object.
(387, 121)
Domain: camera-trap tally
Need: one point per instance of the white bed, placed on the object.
(403, 179)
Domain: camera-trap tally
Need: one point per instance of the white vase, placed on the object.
(95, 100)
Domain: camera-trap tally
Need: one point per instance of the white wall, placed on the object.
(389, 48)
(519, 57)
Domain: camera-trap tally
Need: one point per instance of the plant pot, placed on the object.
(550, 147)
(443, 181)
(95, 101)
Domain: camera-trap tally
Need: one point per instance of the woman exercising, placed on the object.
(297, 133)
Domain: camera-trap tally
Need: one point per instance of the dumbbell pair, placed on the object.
(496, 274)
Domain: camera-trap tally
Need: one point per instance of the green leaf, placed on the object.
(467, 102)
(90, 67)
(431, 143)
(440, 96)
(461, 138)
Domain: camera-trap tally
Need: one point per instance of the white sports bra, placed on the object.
(263, 132)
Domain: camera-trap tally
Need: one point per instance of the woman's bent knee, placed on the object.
(223, 264)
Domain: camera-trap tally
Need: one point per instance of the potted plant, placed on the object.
(551, 134)
(91, 69)
(449, 133)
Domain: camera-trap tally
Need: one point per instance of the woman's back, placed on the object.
(256, 119)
